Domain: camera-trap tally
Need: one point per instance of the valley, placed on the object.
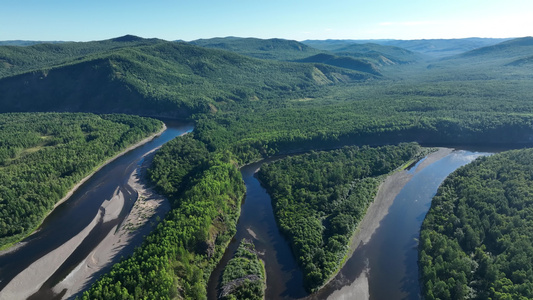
(245, 99)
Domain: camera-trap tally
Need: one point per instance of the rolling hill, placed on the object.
(500, 58)
(287, 50)
(153, 77)
(343, 62)
(506, 50)
(17, 59)
(278, 49)
(381, 54)
(436, 48)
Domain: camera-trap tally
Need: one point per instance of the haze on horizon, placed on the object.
(189, 20)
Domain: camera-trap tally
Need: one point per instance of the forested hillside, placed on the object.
(319, 198)
(501, 58)
(15, 59)
(476, 241)
(278, 49)
(163, 78)
(43, 155)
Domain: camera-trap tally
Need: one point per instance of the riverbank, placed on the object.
(136, 145)
(14, 246)
(122, 239)
(378, 209)
(119, 242)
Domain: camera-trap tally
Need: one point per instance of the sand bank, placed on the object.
(120, 241)
(378, 209)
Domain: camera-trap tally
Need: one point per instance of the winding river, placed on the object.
(77, 213)
(388, 261)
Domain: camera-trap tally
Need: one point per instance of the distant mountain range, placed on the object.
(152, 76)
(279, 49)
(515, 52)
(436, 48)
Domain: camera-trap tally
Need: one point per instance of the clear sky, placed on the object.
(86, 20)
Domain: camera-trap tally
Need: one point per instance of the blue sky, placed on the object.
(85, 20)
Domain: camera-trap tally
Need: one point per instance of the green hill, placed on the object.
(17, 59)
(508, 49)
(503, 60)
(526, 61)
(343, 62)
(278, 49)
(26, 43)
(499, 54)
(381, 54)
(162, 78)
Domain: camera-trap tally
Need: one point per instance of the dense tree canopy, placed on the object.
(244, 275)
(205, 190)
(319, 198)
(476, 241)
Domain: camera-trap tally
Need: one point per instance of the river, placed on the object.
(389, 258)
(74, 215)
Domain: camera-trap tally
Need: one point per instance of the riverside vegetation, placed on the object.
(244, 276)
(43, 155)
(319, 199)
(246, 108)
(476, 240)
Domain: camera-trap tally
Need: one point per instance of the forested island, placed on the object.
(251, 99)
(244, 277)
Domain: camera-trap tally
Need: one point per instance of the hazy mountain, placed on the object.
(433, 47)
(516, 52)
(508, 49)
(27, 43)
(383, 55)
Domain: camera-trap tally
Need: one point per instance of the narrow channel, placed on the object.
(75, 214)
(284, 278)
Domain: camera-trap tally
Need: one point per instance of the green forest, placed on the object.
(244, 276)
(205, 190)
(319, 198)
(476, 240)
(249, 99)
(43, 155)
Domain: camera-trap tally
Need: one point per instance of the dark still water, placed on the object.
(71, 217)
(284, 278)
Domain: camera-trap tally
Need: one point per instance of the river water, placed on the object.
(390, 256)
(75, 214)
(284, 278)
